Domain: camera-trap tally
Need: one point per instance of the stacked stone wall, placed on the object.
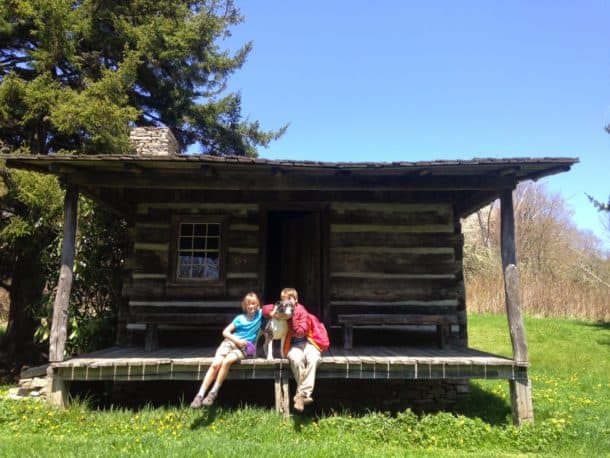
(154, 141)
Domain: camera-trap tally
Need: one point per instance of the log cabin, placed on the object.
(374, 249)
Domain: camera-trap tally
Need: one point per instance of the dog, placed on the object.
(277, 328)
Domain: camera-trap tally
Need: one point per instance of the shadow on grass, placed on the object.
(601, 326)
(349, 397)
(302, 420)
(490, 408)
(208, 416)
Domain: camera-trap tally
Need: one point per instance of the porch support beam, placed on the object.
(282, 397)
(64, 284)
(520, 390)
(57, 388)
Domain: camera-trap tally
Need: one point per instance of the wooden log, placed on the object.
(185, 318)
(242, 262)
(394, 214)
(57, 340)
(521, 401)
(248, 196)
(151, 262)
(507, 228)
(389, 240)
(515, 319)
(153, 232)
(392, 289)
(511, 279)
(406, 263)
(282, 400)
(243, 239)
(521, 394)
(255, 181)
(57, 388)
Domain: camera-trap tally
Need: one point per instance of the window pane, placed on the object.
(198, 271)
(186, 229)
(199, 243)
(185, 271)
(185, 260)
(200, 229)
(214, 229)
(186, 243)
(198, 258)
(211, 267)
(184, 267)
(213, 243)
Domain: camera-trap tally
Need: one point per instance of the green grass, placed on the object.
(571, 385)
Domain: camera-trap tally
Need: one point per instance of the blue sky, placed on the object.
(399, 80)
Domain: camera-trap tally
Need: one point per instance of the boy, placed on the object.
(304, 356)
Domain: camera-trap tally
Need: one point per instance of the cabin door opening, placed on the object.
(293, 257)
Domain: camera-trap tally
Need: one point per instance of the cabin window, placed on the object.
(198, 249)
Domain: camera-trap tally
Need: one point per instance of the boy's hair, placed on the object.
(250, 295)
(290, 292)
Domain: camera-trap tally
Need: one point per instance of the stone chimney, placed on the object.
(154, 141)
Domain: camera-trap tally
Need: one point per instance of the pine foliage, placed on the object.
(74, 75)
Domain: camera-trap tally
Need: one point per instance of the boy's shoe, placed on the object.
(197, 402)
(307, 400)
(209, 399)
(299, 403)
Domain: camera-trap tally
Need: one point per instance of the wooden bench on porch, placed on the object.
(152, 322)
(153, 315)
(349, 321)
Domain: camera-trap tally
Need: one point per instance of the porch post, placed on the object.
(520, 390)
(57, 344)
(282, 400)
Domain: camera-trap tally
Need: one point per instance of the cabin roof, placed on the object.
(470, 184)
(524, 168)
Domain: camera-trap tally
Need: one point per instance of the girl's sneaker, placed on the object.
(209, 399)
(197, 402)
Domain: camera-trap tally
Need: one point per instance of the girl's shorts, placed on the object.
(226, 347)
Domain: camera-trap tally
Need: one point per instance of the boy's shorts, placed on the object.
(226, 347)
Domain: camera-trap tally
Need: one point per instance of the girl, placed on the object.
(239, 341)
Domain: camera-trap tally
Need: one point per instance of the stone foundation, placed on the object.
(389, 395)
(35, 387)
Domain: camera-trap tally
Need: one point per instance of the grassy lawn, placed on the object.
(571, 381)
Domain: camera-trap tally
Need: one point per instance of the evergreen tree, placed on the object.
(75, 74)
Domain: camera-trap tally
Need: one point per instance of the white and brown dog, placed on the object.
(277, 327)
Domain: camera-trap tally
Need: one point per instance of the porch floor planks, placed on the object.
(190, 363)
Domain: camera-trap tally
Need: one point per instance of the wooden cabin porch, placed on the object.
(369, 244)
(135, 364)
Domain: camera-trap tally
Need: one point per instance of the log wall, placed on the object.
(383, 257)
(148, 269)
(403, 258)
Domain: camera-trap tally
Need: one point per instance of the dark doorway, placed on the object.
(293, 257)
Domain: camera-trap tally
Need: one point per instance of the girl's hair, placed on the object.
(250, 295)
(288, 292)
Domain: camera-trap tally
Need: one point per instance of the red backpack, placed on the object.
(317, 335)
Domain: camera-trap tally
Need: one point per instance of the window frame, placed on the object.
(177, 220)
